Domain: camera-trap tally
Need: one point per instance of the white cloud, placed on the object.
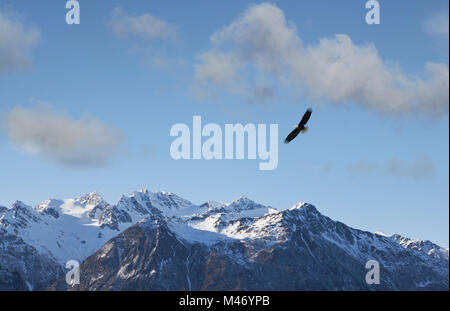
(16, 41)
(262, 45)
(143, 26)
(54, 135)
(437, 24)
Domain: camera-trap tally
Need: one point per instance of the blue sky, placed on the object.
(376, 154)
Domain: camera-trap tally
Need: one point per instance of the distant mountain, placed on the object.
(159, 241)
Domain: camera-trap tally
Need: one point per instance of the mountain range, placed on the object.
(160, 241)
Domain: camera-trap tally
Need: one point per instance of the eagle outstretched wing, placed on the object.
(292, 135)
(306, 117)
(300, 127)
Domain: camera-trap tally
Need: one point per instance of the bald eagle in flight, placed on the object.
(301, 127)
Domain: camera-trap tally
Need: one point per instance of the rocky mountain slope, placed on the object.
(159, 241)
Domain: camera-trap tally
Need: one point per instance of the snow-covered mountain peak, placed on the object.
(242, 200)
(299, 205)
(160, 199)
(144, 203)
(213, 205)
(20, 205)
(425, 246)
(243, 204)
(22, 211)
(49, 207)
(387, 235)
(87, 207)
(18, 216)
(90, 200)
(169, 200)
(77, 208)
(144, 191)
(304, 208)
(140, 193)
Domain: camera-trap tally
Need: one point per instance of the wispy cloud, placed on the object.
(326, 167)
(437, 24)
(147, 36)
(261, 44)
(421, 167)
(362, 167)
(55, 135)
(144, 26)
(16, 41)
